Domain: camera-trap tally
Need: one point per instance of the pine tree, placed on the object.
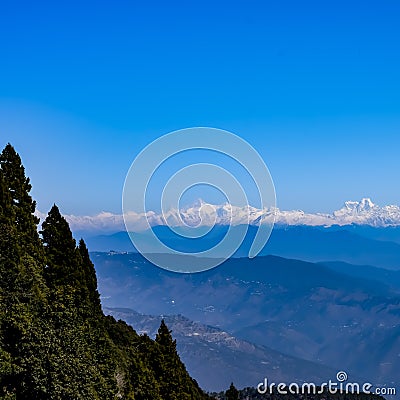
(169, 368)
(90, 279)
(84, 348)
(164, 339)
(9, 250)
(174, 378)
(22, 289)
(232, 393)
(63, 262)
(55, 342)
(19, 187)
(8, 262)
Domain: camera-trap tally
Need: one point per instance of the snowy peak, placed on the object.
(363, 212)
(201, 213)
(366, 204)
(359, 206)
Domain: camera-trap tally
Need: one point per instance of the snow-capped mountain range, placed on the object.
(363, 212)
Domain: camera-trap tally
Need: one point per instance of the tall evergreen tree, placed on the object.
(84, 348)
(174, 378)
(8, 262)
(170, 369)
(63, 262)
(19, 187)
(22, 290)
(165, 340)
(9, 251)
(55, 342)
(90, 279)
(232, 393)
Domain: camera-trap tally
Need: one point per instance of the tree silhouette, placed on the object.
(232, 393)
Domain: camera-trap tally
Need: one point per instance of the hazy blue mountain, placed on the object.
(388, 233)
(215, 358)
(302, 309)
(313, 244)
(323, 244)
(119, 241)
(384, 276)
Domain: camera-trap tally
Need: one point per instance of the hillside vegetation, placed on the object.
(55, 341)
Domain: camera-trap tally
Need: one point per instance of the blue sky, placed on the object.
(313, 86)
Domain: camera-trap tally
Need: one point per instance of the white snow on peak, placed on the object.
(201, 213)
(357, 207)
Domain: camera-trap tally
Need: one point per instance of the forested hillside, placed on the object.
(55, 341)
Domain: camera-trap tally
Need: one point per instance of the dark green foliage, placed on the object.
(22, 289)
(90, 279)
(63, 261)
(232, 393)
(18, 187)
(174, 380)
(55, 342)
(9, 251)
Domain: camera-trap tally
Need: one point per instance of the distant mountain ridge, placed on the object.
(215, 358)
(363, 212)
(379, 247)
(328, 315)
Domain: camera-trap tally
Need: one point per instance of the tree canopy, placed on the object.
(55, 341)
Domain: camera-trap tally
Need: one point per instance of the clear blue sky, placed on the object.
(313, 85)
